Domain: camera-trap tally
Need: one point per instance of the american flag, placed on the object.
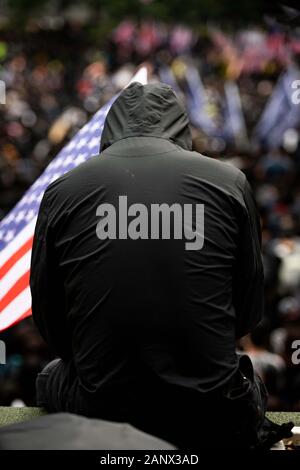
(17, 228)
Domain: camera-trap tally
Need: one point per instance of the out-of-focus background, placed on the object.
(233, 63)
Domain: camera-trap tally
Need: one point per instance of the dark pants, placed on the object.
(186, 420)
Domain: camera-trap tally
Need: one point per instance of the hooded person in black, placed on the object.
(145, 321)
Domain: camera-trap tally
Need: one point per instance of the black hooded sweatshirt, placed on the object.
(131, 314)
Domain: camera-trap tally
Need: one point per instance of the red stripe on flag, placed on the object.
(15, 257)
(16, 289)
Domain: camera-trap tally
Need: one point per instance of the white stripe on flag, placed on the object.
(140, 76)
(15, 309)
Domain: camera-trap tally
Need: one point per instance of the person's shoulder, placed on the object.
(222, 174)
(70, 184)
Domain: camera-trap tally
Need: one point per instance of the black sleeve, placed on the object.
(248, 289)
(47, 290)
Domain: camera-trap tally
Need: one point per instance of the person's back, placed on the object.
(146, 264)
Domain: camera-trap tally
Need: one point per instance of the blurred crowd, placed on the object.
(55, 82)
